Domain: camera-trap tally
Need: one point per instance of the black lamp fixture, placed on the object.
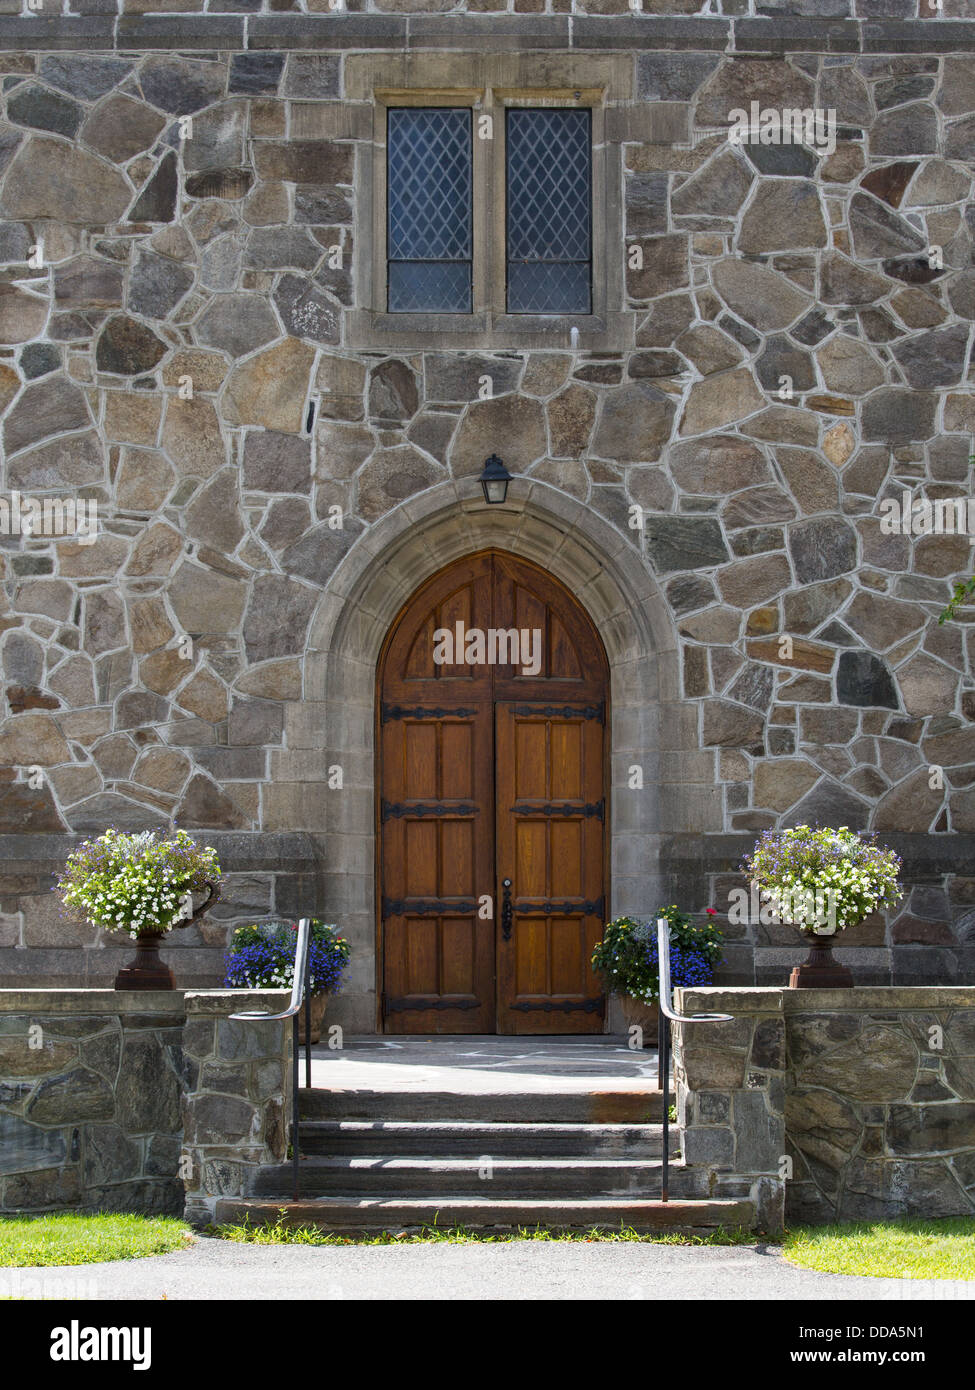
(494, 480)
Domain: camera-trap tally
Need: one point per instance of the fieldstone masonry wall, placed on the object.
(869, 1095)
(152, 1102)
(236, 1089)
(730, 1083)
(231, 258)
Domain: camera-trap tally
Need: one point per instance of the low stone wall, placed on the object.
(828, 1105)
(730, 1081)
(236, 1093)
(97, 1085)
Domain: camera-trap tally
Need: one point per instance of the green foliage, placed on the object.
(627, 956)
(962, 591)
(73, 1239)
(912, 1248)
(280, 1232)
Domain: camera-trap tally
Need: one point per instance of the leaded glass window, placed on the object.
(549, 211)
(429, 243)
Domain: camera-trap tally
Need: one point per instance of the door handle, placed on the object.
(507, 911)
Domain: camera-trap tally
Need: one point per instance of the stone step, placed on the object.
(353, 1214)
(507, 1178)
(621, 1106)
(456, 1138)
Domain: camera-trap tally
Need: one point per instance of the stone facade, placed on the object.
(831, 1105)
(152, 1102)
(325, 462)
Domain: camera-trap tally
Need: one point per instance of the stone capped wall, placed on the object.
(150, 1102)
(236, 1096)
(235, 259)
(832, 1105)
(90, 1102)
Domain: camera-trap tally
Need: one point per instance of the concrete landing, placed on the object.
(488, 1065)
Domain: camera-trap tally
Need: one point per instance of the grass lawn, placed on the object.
(80, 1240)
(279, 1233)
(906, 1249)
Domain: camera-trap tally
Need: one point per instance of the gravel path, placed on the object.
(522, 1270)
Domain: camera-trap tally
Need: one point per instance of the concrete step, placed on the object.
(458, 1138)
(350, 1214)
(385, 1178)
(619, 1106)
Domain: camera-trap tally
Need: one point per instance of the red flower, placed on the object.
(712, 912)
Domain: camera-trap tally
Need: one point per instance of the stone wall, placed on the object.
(236, 1097)
(830, 1105)
(238, 258)
(730, 1083)
(97, 1085)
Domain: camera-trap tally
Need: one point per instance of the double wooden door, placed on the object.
(492, 814)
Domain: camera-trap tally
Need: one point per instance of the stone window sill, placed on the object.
(370, 330)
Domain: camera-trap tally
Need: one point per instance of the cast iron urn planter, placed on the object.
(820, 969)
(146, 970)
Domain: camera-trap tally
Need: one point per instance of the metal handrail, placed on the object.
(300, 991)
(667, 1016)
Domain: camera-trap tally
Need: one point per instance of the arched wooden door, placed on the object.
(491, 728)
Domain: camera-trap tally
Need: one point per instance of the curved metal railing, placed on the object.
(300, 993)
(667, 1016)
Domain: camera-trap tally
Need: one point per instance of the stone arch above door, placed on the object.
(333, 725)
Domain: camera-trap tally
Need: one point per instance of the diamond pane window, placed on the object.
(549, 209)
(428, 236)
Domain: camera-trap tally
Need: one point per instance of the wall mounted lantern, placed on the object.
(494, 480)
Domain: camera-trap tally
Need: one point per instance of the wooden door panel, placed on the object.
(530, 863)
(410, 673)
(566, 761)
(563, 660)
(568, 945)
(566, 844)
(417, 776)
(437, 862)
(422, 950)
(551, 847)
(571, 650)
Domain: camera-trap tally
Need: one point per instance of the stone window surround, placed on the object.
(491, 83)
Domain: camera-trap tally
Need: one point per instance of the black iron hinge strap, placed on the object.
(396, 810)
(390, 712)
(592, 810)
(404, 1005)
(427, 907)
(563, 711)
(550, 908)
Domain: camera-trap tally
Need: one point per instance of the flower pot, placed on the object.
(637, 1013)
(318, 1002)
(145, 970)
(820, 969)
